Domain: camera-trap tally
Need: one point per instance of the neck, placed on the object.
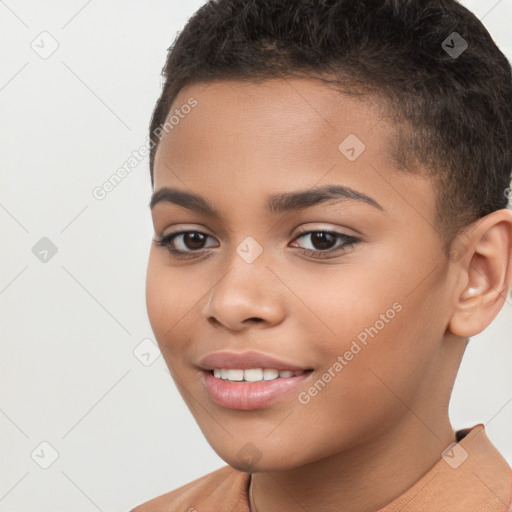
(364, 479)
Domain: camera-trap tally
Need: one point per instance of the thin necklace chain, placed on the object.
(252, 505)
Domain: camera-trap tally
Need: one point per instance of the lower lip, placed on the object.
(247, 396)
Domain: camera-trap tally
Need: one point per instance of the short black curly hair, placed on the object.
(450, 106)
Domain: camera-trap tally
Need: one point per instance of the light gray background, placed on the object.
(69, 327)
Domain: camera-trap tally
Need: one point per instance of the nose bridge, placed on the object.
(247, 289)
(247, 269)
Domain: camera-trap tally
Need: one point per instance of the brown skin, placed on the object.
(382, 422)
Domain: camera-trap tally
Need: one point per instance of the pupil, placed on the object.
(194, 238)
(322, 239)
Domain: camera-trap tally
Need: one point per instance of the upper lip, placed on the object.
(245, 361)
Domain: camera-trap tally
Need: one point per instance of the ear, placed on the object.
(485, 273)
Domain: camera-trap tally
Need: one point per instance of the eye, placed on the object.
(193, 240)
(326, 243)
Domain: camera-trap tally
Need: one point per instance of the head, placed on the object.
(397, 270)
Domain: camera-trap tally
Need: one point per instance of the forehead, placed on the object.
(280, 135)
(295, 119)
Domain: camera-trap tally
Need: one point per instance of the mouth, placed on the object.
(234, 362)
(254, 374)
(253, 391)
(249, 380)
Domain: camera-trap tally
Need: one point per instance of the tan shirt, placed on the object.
(471, 477)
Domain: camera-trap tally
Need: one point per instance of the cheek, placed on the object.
(351, 307)
(173, 297)
(165, 300)
(377, 377)
(385, 335)
(155, 296)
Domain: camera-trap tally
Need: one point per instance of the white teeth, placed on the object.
(252, 374)
(269, 374)
(235, 375)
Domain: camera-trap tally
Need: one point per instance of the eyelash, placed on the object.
(349, 241)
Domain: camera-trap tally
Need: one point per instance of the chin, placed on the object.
(256, 463)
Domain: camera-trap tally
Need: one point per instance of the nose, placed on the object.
(247, 294)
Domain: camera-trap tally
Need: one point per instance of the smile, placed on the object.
(253, 374)
(260, 392)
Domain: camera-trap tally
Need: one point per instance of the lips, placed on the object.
(245, 361)
(247, 396)
(255, 393)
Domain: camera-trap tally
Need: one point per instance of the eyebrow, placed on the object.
(278, 203)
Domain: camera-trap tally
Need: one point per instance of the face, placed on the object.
(351, 288)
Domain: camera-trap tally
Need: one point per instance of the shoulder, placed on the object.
(223, 489)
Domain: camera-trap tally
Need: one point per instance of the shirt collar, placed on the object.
(470, 476)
